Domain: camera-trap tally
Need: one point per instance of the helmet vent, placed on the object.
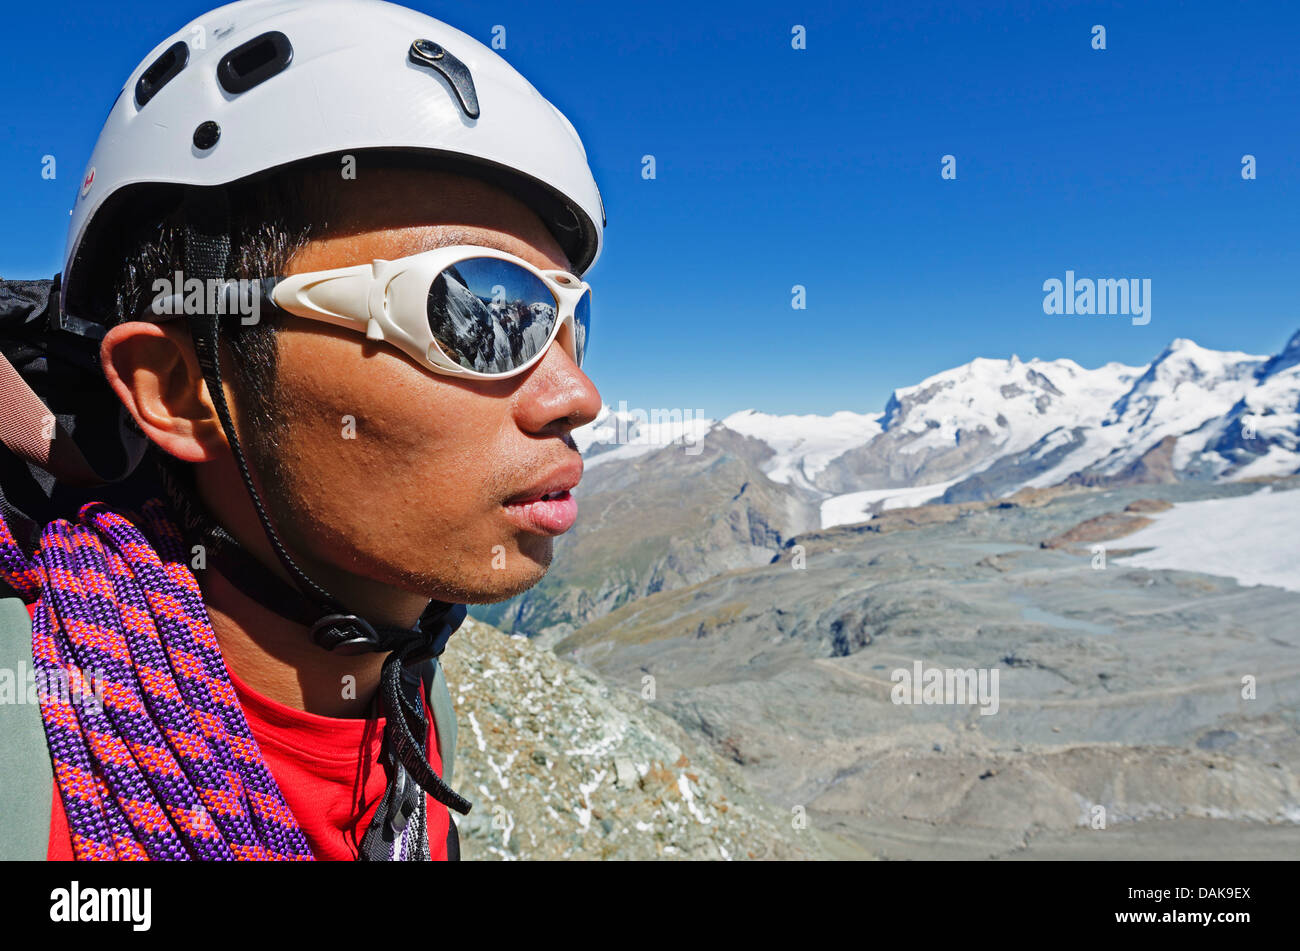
(161, 72)
(254, 62)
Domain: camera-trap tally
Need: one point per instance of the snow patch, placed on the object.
(1251, 538)
(852, 507)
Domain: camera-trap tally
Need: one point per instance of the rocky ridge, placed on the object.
(561, 765)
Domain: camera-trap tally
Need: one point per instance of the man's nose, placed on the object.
(557, 397)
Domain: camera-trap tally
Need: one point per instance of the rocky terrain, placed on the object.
(1162, 704)
(560, 765)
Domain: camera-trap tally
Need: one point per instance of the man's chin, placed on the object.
(509, 570)
(494, 590)
(509, 575)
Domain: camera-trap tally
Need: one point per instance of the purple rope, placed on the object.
(166, 767)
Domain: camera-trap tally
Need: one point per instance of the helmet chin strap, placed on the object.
(207, 253)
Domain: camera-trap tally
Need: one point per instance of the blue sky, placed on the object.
(821, 167)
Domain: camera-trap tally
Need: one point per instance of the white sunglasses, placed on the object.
(465, 310)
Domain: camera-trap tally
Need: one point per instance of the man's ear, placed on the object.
(154, 372)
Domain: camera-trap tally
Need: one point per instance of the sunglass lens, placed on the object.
(490, 315)
(582, 322)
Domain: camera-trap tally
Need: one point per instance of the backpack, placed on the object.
(66, 439)
(62, 430)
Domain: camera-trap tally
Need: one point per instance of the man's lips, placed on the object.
(547, 507)
(553, 515)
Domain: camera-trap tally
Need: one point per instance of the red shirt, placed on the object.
(328, 770)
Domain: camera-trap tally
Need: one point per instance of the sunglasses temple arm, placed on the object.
(267, 288)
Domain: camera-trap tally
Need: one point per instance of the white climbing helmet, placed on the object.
(257, 84)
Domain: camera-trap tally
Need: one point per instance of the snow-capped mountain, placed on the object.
(1178, 397)
(804, 445)
(1260, 435)
(1185, 388)
(958, 422)
(989, 427)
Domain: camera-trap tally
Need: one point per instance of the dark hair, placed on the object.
(271, 219)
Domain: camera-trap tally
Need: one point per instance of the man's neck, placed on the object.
(271, 654)
(276, 658)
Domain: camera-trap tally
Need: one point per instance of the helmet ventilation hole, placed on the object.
(161, 72)
(254, 62)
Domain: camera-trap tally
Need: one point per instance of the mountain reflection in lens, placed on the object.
(490, 315)
(581, 321)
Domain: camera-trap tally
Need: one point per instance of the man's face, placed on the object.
(400, 475)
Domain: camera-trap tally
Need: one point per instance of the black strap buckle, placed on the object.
(345, 634)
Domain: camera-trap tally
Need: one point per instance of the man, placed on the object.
(396, 427)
